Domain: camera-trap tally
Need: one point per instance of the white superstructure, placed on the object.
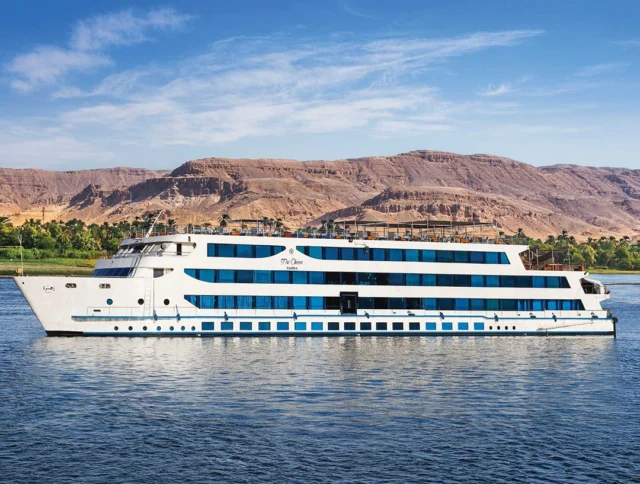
(205, 284)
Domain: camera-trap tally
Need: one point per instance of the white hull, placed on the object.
(144, 305)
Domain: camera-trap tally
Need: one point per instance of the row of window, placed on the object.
(374, 278)
(406, 255)
(347, 326)
(364, 303)
(243, 250)
(118, 272)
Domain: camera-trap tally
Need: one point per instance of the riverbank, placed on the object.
(49, 267)
(612, 271)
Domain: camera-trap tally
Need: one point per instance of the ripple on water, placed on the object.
(318, 409)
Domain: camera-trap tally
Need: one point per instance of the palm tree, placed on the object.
(224, 219)
(171, 223)
(323, 226)
(5, 222)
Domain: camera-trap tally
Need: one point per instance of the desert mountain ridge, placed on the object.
(418, 185)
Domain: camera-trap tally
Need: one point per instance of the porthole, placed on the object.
(115, 328)
(514, 327)
(141, 301)
(193, 328)
(490, 327)
(109, 302)
(130, 328)
(170, 328)
(144, 328)
(182, 328)
(166, 302)
(498, 328)
(158, 328)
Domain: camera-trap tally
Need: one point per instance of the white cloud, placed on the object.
(498, 90)
(47, 64)
(599, 69)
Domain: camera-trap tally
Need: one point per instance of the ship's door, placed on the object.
(348, 302)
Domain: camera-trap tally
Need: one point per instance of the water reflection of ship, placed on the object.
(388, 361)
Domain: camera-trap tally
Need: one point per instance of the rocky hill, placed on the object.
(410, 186)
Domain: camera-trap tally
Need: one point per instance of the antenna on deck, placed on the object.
(153, 224)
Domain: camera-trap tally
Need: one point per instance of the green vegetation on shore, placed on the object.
(72, 247)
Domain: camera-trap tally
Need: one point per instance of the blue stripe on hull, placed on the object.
(125, 333)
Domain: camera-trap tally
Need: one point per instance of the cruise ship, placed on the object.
(352, 282)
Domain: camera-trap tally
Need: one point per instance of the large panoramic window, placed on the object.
(311, 303)
(243, 250)
(227, 276)
(406, 255)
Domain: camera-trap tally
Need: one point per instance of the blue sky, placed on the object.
(114, 83)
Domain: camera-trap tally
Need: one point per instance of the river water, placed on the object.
(356, 409)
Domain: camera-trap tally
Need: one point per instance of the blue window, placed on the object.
(463, 326)
(245, 277)
(211, 250)
(331, 253)
(244, 302)
(567, 305)
(206, 302)
(316, 326)
(462, 304)
(246, 326)
(444, 279)
(430, 303)
(477, 281)
(503, 258)
(226, 302)
(333, 326)
(300, 326)
(299, 302)
(462, 280)
(316, 302)
(524, 305)
(365, 303)
(537, 281)
(398, 326)
(493, 305)
(428, 279)
(207, 326)
(264, 326)
(365, 326)
(263, 251)
(491, 258)
(552, 305)
(192, 299)
(190, 272)
(395, 255)
(262, 277)
(478, 326)
(476, 257)
(316, 277)
(349, 326)
(509, 304)
(226, 326)
(411, 255)
(207, 275)
(225, 250)
(378, 254)
(538, 305)
(445, 304)
(396, 303)
(226, 276)
(445, 256)
(363, 254)
(348, 254)
(447, 326)
(414, 326)
(315, 252)
(244, 250)
(280, 302)
(477, 304)
(523, 281)
(428, 255)
(507, 281)
(264, 302)
(461, 256)
(413, 279)
(492, 281)
(431, 326)
(553, 282)
(281, 277)
(300, 277)
(381, 326)
(283, 326)
(396, 279)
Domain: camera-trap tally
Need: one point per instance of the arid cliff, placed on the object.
(410, 186)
